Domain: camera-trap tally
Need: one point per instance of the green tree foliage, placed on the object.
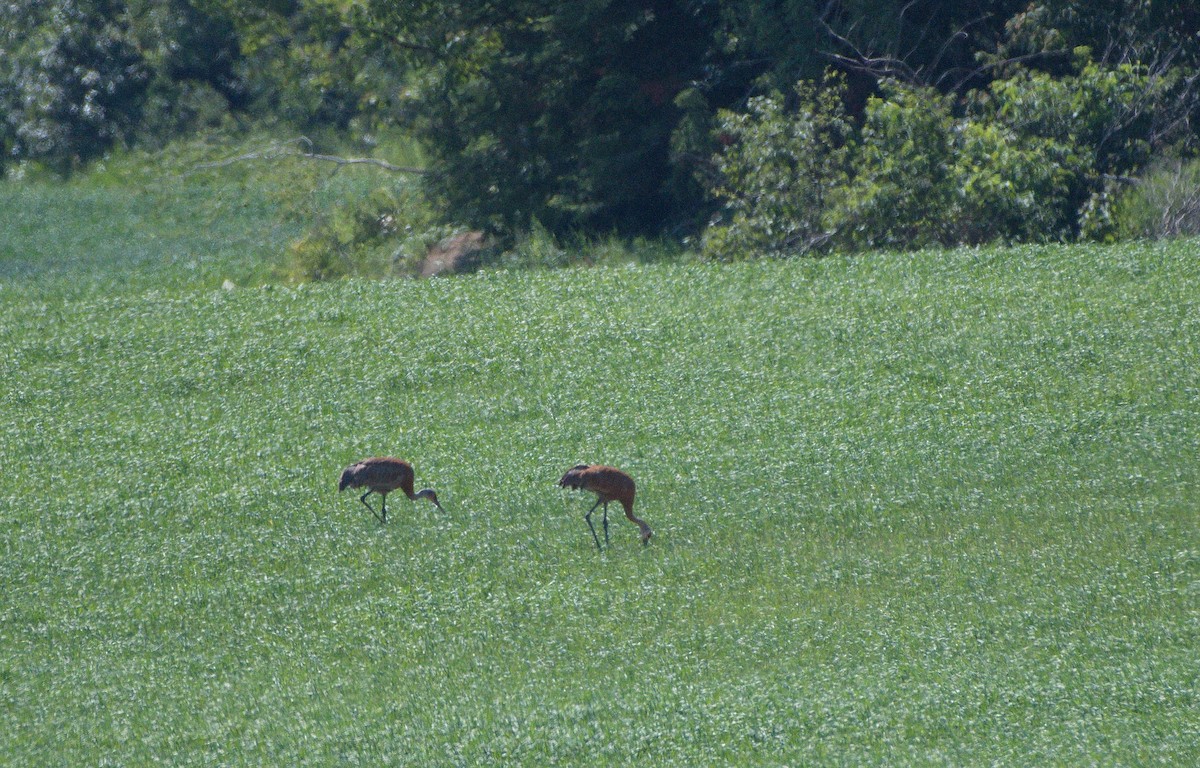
(76, 80)
(901, 187)
(193, 58)
(1031, 157)
(186, 42)
(1104, 110)
(776, 172)
(974, 120)
(1117, 30)
(1156, 40)
(560, 112)
(78, 76)
(1164, 203)
(1010, 187)
(304, 64)
(773, 43)
(588, 115)
(1103, 125)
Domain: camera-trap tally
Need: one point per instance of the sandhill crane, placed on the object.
(609, 484)
(382, 475)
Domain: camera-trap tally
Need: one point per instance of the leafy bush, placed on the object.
(1021, 165)
(902, 183)
(776, 172)
(914, 176)
(1164, 203)
(1102, 121)
(1030, 158)
(79, 80)
(385, 233)
(537, 248)
(1102, 111)
(1009, 188)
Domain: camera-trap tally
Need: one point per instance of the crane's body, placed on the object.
(382, 475)
(609, 484)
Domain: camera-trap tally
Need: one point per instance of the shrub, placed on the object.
(1009, 188)
(775, 173)
(1103, 111)
(384, 234)
(1030, 158)
(901, 189)
(79, 83)
(537, 248)
(1164, 203)
(1100, 123)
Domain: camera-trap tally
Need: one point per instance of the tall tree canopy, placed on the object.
(560, 112)
(596, 115)
(582, 115)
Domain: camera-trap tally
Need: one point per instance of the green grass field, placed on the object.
(922, 509)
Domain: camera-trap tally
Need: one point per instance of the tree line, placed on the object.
(778, 127)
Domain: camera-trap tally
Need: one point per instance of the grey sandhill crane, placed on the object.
(382, 475)
(609, 484)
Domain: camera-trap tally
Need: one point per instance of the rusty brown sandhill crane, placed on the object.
(609, 484)
(382, 475)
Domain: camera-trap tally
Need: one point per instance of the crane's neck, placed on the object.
(426, 493)
(640, 523)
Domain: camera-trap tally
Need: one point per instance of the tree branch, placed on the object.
(878, 66)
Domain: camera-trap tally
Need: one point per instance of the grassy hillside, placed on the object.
(65, 240)
(925, 509)
(172, 221)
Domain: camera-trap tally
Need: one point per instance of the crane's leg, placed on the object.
(588, 517)
(606, 523)
(363, 499)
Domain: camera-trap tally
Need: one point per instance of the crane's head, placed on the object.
(347, 478)
(429, 493)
